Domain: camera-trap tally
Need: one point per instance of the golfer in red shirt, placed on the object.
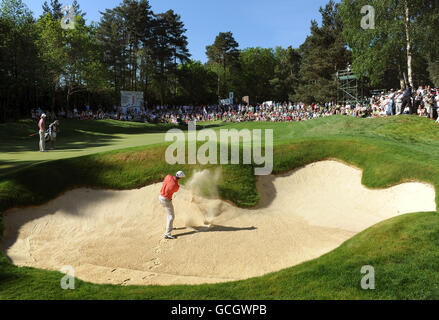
(169, 187)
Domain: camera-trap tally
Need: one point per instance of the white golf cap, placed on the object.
(180, 174)
(43, 115)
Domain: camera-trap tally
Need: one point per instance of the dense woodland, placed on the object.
(45, 64)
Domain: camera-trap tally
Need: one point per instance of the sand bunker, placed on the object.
(116, 236)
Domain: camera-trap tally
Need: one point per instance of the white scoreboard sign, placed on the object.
(131, 99)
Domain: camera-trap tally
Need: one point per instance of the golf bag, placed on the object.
(47, 135)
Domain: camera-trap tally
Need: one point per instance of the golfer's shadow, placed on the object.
(214, 228)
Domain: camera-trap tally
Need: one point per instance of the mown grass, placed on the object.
(403, 250)
(75, 139)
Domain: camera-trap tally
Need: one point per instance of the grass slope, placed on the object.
(403, 250)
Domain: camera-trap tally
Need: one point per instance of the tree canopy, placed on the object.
(323, 54)
(402, 41)
(44, 63)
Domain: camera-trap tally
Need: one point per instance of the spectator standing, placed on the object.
(428, 104)
(399, 100)
(42, 127)
(392, 102)
(406, 99)
(436, 105)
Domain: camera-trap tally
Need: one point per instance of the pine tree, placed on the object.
(178, 42)
(197, 85)
(46, 9)
(20, 71)
(257, 69)
(111, 35)
(224, 53)
(286, 73)
(77, 9)
(323, 54)
(54, 9)
(169, 45)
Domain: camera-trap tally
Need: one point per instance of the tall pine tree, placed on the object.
(286, 73)
(323, 54)
(169, 45)
(55, 9)
(223, 54)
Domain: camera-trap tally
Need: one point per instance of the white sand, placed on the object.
(117, 236)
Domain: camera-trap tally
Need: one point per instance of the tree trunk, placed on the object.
(68, 97)
(218, 89)
(175, 74)
(162, 76)
(116, 85)
(409, 45)
(402, 82)
(225, 76)
(145, 94)
(53, 97)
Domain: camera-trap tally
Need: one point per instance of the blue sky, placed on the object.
(254, 23)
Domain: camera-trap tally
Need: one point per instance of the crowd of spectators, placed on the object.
(424, 102)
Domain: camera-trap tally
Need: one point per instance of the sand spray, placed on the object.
(203, 193)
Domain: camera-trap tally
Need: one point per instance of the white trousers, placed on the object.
(398, 108)
(169, 209)
(42, 140)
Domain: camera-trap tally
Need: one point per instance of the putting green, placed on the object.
(22, 151)
(120, 141)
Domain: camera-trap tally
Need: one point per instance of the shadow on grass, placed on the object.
(86, 134)
(122, 127)
(79, 141)
(8, 167)
(7, 277)
(63, 145)
(23, 128)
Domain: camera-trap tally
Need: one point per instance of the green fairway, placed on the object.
(404, 250)
(77, 138)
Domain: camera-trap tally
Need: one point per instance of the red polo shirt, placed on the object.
(169, 187)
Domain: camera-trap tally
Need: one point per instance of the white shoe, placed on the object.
(169, 237)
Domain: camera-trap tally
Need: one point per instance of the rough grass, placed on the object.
(403, 250)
